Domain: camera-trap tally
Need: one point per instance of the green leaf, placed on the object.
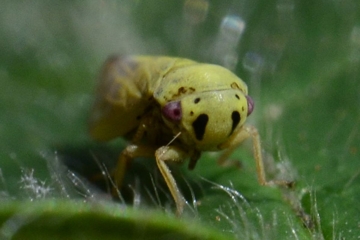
(54, 219)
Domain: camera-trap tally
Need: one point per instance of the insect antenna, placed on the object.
(174, 138)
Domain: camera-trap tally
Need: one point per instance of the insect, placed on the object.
(153, 99)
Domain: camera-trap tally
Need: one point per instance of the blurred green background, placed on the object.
(300, 60)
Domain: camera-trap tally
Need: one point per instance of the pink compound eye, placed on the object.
(250, 103)
(172, 111)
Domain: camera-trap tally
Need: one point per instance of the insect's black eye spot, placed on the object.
(199, 126)
(237, 96)
(172, 111)
(196, 100)
(235, 116)
(191, 113)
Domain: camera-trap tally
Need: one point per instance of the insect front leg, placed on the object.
(244, 133)
(230, 146)
(174, 154)
(130, 152)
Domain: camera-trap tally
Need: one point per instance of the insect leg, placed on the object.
(254, 134)
(230, 147)
(175, 154)
(246, 132)
(130, 152)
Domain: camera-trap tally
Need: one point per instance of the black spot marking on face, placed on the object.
(196, 100)
(191, 113)
(199, 126)
(237, 96)
(235, 116)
